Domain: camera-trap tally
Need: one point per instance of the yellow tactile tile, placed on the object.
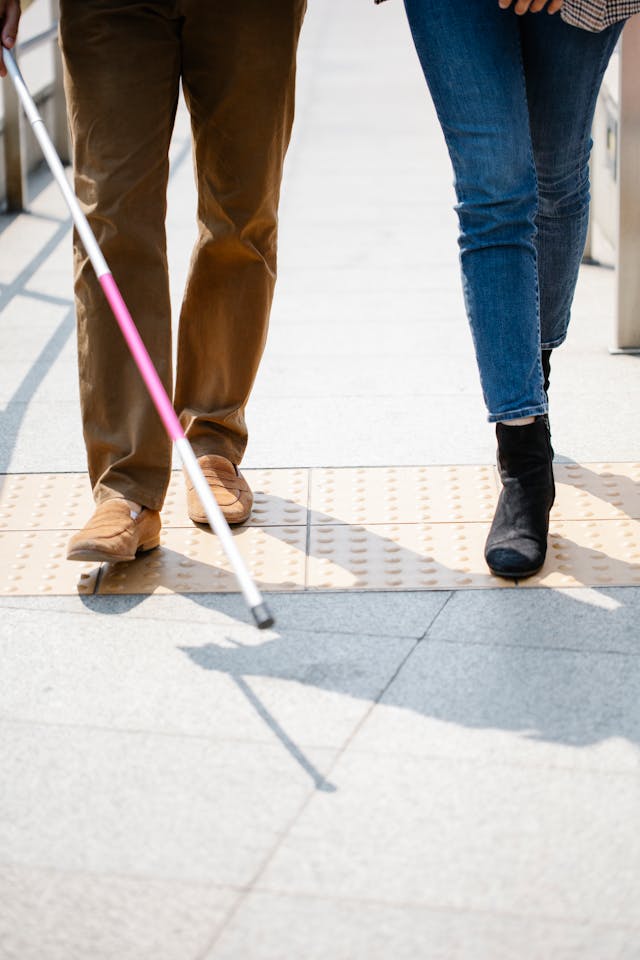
(34, 564)
(382, 528)
(36, 501)
(280, 499)
(445, 556)
(596, 491)
(592, 553)
(365, 495)
(191, 560)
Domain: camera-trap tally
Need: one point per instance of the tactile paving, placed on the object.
(403, 495)
(597, 491)
(48, 501)
(382, 528)
(191, 560)
(34, 564)
(390, 556)
(592, 553)
(280, 498)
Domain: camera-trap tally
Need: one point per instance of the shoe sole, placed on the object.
(520, 575)
(103, 556)
(202, 520)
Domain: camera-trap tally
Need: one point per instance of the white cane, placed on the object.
(140, 355)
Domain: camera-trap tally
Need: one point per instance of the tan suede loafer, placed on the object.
(114, 535)
(228, 486)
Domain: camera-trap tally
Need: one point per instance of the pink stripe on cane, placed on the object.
(140, 355)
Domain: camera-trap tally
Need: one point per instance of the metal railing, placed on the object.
(614, 234)
(627, 322)
(14, 126)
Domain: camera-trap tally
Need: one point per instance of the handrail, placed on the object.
(49, 34)
(627, 319)
(13, 136)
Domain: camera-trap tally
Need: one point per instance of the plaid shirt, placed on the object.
(594, 15)
(597, 14)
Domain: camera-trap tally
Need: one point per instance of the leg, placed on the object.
(122, 64)
(471, 57)
(564, 67)
(238, 78)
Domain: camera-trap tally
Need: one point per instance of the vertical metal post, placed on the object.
(15, 175)
(627, 330)
(60, 132)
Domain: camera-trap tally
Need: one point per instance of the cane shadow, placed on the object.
(167, 571)
(366, 557)
(160, 572)
(538, 664)
(534, 688)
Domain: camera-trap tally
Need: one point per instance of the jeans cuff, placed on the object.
(552, 344)
(538, 411)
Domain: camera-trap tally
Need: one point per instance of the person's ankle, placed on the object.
(519, 422)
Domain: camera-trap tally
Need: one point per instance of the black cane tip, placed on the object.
(262, 616)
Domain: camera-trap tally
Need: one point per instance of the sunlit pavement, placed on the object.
(418, 761)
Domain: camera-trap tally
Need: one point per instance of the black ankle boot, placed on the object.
(517, 542)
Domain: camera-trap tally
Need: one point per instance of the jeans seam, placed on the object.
(532, 162)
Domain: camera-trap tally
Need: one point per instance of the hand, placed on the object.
(9, 20)
(531, 6)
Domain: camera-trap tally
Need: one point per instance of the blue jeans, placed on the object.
(515, 97)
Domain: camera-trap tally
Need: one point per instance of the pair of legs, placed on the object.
(124, 63)
(515, 96)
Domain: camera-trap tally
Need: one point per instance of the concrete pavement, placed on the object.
(448, 775)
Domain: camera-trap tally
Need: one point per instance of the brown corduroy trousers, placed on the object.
(124, 62)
